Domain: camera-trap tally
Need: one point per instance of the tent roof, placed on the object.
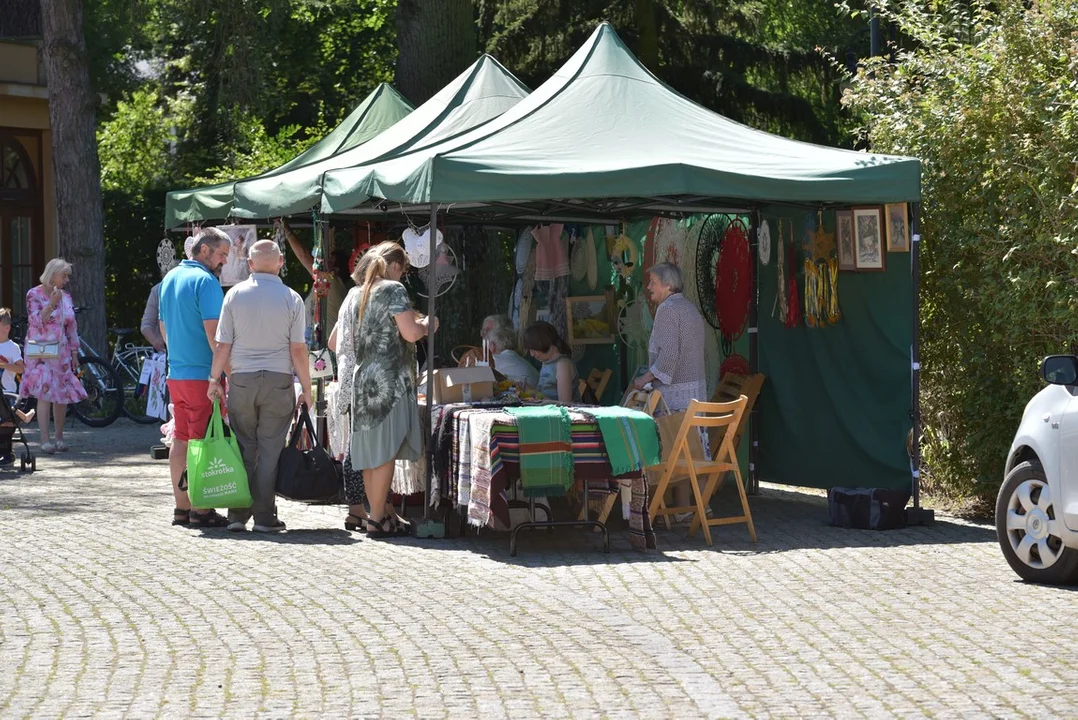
(605, 134)
(379, 110)
(482, 92)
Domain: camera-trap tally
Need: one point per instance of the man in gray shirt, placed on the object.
(261, 334)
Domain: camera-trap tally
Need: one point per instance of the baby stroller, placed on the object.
(11, 422)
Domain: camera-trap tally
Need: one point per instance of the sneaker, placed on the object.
(273, 527)
(237, 526)
(7, 459)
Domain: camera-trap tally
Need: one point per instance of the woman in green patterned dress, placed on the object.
(385, 416)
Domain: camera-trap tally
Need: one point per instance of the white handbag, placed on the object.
(42, 349)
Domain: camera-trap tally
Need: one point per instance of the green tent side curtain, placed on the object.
(604, 127)
(482, 92)
(378, 111)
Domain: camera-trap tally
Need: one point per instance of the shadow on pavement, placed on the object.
(300, 536)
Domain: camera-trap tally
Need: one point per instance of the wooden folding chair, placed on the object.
(730, 388)
(597, 380)
(681, 463)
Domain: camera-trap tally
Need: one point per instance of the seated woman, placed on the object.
(557, 377)
(501, 338)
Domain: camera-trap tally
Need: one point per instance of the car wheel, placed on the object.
(1030, 530)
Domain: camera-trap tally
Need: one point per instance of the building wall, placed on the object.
(24, 115)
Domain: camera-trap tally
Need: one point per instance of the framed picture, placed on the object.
(868, 238)
(898, 227)
(590, 319)
(847, 255)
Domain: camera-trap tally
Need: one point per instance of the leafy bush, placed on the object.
(988, 99)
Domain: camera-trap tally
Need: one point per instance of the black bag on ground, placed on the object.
(306, 475)
(867, 508)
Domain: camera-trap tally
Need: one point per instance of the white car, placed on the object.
(1037, 507)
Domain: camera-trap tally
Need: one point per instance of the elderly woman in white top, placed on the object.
(675, 353)
(676, 346)
(498, 331)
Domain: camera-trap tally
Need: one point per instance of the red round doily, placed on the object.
(733, 281)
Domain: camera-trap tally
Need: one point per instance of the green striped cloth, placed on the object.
(546, 449)
(630, 437)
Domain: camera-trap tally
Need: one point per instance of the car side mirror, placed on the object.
(1060, 369)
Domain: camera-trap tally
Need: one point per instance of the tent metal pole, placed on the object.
(916, 515)
(430, 528)
(754, 354)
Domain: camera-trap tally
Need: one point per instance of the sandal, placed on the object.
(181, 516)
(386, 528)
(208, 519)
(354, 523)
(48, 447)
(61, 446)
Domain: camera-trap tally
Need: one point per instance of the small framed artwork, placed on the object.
(847, 255)
(898, 227)
(868, 238)
(590, 319)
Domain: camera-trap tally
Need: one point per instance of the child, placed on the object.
(12, 364)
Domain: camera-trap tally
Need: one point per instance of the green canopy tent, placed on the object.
(604, 138)
(378, 111)
(482, 92)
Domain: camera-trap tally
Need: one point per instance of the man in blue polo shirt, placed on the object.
(190, 306)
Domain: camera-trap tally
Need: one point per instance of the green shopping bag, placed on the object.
(215, 474)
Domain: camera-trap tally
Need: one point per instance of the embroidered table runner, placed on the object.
(630, 437)
(546, 449)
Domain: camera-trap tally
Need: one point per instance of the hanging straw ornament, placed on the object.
(834, 313)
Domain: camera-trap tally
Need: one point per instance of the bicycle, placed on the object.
(104, 392)
(128, 361)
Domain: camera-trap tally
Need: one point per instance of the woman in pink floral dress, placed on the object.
(51, 317)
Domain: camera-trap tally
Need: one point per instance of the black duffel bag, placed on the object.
(867, 508)
(307, 475)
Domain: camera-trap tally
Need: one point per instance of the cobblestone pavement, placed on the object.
(106, 610)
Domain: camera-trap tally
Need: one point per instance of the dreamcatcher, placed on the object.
(166, 256)
(441, 274)
(763, 242)
(707, 265)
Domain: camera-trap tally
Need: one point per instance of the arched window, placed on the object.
(16, 173)
(20, 223)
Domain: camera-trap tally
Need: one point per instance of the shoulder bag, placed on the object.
(45, 349)
(307, 475)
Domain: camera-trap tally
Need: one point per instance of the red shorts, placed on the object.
(191, 409)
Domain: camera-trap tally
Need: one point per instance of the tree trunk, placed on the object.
(72, 110)
(647, 25)
(436, 41)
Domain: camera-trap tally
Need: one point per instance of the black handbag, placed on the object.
(307, 475)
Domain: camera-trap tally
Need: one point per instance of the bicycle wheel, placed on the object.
(128, 368)
(104, 393)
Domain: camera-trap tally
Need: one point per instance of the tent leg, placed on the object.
(429, 527)
(754, 357)
(916, 515)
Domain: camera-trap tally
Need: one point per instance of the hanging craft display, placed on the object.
(821, 278)
(735, 364)
(578, 258)
(624, 255)
(593, 260)
(166, 256)
(707, 263)
(780, 307)
(439, 276)
(793, 308)
(417, 245)
(763, 242)
(634, 323)
(733, 281)
(279, 238)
